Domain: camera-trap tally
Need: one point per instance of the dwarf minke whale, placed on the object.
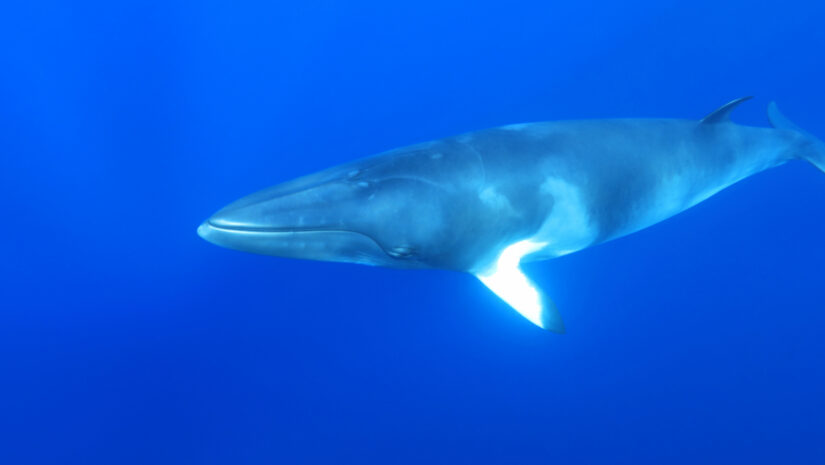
(486, 201)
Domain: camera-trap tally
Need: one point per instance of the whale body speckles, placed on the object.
(485, 202)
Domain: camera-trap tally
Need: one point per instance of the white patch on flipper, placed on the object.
(507, 281)
(568, 228)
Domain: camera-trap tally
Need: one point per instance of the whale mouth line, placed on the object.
(265, 229)
(241, 229)
(222, 234)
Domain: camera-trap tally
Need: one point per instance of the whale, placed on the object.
(485, 202)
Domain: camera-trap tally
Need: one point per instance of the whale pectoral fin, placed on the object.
(551, 317)
(515, 288)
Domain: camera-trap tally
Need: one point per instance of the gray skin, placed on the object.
(457, 203)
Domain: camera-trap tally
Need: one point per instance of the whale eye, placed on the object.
(401, 252)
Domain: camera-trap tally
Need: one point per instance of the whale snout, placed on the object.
(310, 218)
(314, 202)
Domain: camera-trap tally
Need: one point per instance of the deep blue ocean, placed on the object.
(125, 338)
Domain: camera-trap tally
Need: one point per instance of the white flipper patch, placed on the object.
(506, 280)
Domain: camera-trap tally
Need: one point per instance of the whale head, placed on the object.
(393, 210)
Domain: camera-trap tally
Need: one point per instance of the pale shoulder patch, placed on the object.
(568, 228)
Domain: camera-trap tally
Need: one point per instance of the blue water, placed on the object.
(125, 338)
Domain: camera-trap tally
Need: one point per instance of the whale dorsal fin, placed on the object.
(506, 280)
(722, 114)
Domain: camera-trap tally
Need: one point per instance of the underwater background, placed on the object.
(125, 338)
